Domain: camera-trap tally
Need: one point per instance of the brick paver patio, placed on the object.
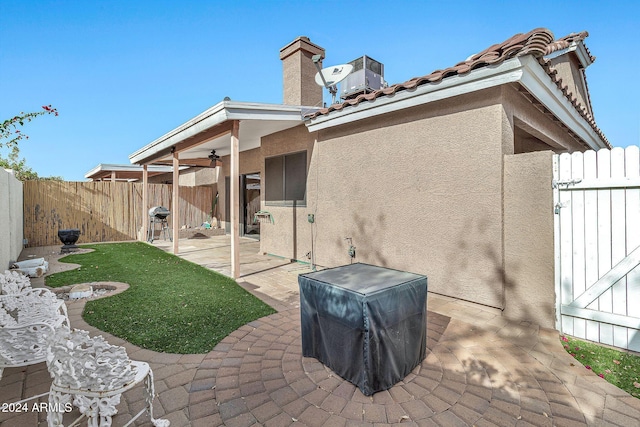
(481, 370)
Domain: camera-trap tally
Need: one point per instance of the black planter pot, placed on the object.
(69, 237)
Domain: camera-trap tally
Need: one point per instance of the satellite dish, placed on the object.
(329, 77)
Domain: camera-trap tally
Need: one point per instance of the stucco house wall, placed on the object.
(11, 218)
(290, 234)
(418, 190)
(529, 280)
(437, 190)
(196, 176)
(569, 70)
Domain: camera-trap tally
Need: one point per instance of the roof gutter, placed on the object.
(524, 69)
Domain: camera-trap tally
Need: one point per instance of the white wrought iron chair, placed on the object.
(13, 282)
(93, 374)
(26, 320)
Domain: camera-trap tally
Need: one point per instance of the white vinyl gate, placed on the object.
(597, 228)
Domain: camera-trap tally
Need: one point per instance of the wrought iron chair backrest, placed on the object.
(13, 282)
(81, 362)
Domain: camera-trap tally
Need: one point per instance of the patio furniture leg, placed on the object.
(98, 410)
(150, 395)
(57, 403)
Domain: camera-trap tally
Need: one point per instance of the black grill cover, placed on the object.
(367, 323)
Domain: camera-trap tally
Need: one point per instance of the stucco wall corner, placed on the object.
(529, 238)
(11, 218)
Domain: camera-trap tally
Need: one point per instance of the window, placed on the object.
(286, 180)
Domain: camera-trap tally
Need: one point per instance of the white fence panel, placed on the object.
(598, 245)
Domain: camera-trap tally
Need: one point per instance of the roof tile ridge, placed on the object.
(529, 43)
(537, 42)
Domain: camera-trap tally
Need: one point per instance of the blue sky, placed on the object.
(123, 73)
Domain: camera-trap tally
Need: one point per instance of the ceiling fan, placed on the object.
(214, 158)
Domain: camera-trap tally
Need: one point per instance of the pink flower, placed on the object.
(565, 339)
(601, 375)
(617, 362)
(608, 371)
(587, 366)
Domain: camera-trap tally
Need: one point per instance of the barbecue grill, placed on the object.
(158, 215)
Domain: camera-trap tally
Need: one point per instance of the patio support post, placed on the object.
(176, 202)
(145, 202)
(235, 200)
(113, 176)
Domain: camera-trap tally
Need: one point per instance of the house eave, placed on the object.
(580, 51)
(106, 168)
(524, 69)
(222, 112)
(536, 81)
(209, 118)
(506, 72)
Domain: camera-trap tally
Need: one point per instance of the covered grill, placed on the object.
(158, 215)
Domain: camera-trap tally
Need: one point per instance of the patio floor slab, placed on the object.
(481, 369)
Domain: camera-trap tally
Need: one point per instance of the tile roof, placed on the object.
(538, 42)
(566, 41)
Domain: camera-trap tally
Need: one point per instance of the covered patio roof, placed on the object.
(228, 127)
(211, 130)
(111, 172)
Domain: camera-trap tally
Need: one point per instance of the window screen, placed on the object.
(274, 179)
(286, 179)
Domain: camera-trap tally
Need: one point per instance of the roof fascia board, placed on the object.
(538, 83)
(260, 106)
(507, 72)
(219, 113)
(245, 114)
(93, 171)
(213, 116)
(578, 48)
(104, 167)
(523, 69)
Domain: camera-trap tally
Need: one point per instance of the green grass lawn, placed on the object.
(172, 305)
(620, 368)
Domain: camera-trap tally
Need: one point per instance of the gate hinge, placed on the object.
(557, 184)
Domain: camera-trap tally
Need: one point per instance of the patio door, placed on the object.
(249, 204)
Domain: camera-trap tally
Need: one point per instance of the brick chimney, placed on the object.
(298, 73)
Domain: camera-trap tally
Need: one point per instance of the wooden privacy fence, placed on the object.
(597, 210)
(103, 211)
